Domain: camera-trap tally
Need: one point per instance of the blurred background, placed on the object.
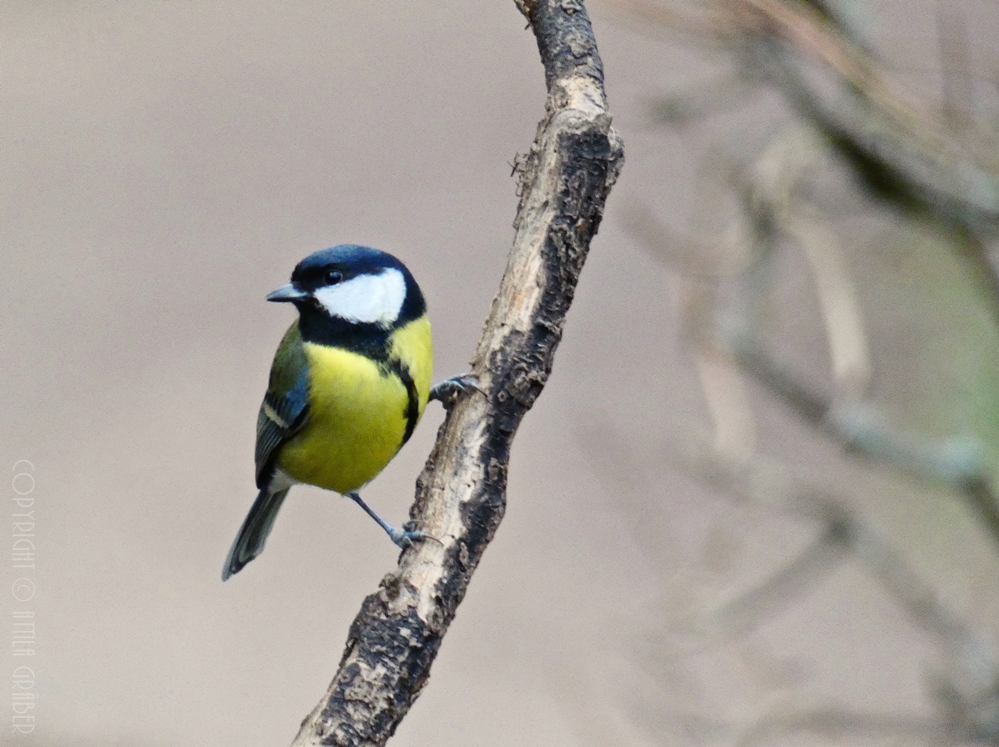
(756, 503)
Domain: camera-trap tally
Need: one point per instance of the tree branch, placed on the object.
(461, 494)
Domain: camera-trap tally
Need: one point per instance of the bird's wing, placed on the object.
(285, 408)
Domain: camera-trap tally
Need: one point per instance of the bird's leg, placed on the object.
(399, 536)
(447, 391)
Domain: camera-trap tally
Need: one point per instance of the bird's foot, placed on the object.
(449, 390)
(406, 537)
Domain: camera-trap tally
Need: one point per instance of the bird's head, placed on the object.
(353, 285)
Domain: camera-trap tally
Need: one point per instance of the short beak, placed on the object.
(287, 293)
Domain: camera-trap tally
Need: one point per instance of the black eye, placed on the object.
(333, 277)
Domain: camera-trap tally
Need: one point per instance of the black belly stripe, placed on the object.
(413, 404)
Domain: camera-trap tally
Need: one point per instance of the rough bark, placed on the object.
(461, 494)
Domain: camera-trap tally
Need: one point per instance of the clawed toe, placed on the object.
(449, 390)
(405, 539)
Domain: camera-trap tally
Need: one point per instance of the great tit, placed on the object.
(349, 383)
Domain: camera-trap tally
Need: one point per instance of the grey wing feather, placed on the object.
(280, 418)
(283, 413)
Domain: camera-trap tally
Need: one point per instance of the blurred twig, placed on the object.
(971, 707)
(909, 155)
(935, 164)
(956, 68)
(861, 428)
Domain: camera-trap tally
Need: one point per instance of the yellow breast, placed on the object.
(357, 411)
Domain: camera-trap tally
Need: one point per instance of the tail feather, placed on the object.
(253, 534)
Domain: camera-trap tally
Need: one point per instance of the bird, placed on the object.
(349, 383)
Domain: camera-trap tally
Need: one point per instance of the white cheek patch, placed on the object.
(369, 299)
